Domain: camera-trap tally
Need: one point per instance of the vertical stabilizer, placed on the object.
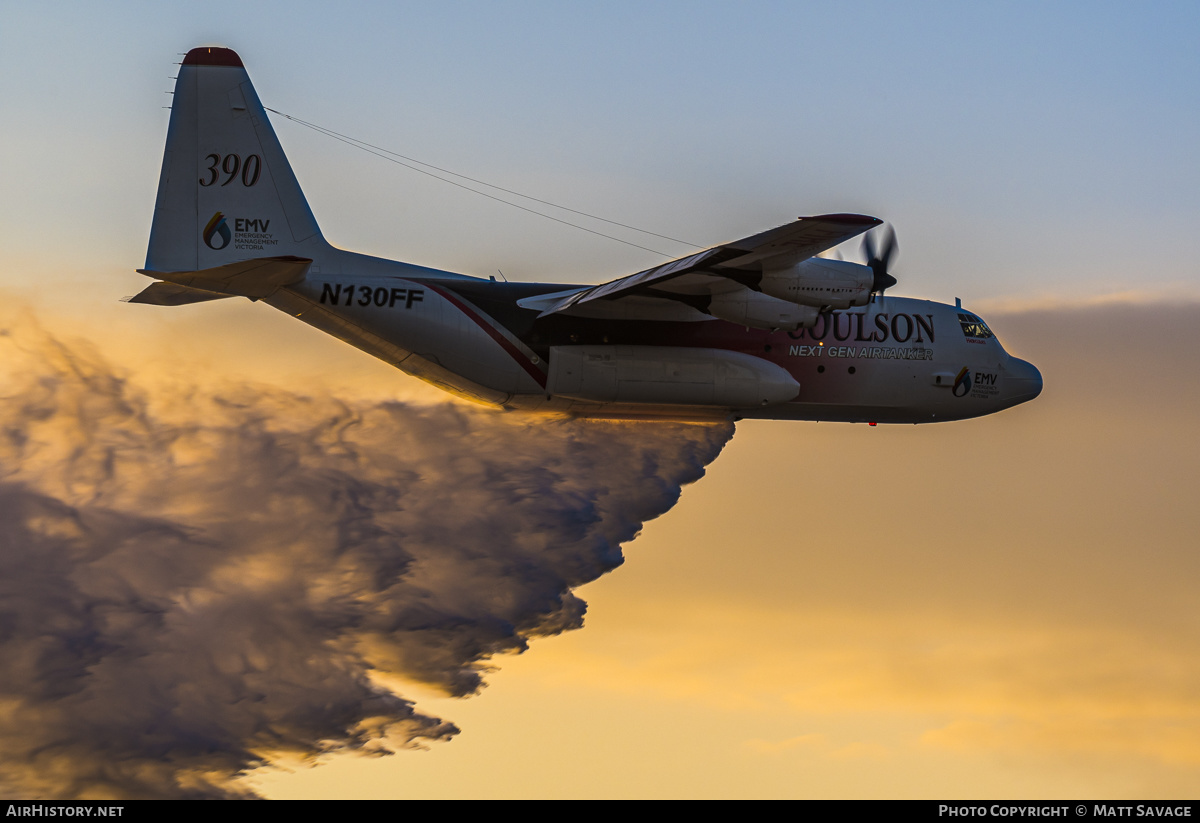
(227, 192)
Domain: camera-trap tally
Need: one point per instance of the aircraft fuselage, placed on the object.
(896, 360)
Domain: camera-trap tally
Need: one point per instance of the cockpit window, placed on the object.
(972, 326)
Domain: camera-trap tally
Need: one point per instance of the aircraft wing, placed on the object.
(716, 269)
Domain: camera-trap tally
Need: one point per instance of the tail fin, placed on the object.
(227, 192)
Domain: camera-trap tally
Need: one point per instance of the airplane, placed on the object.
(759, 328)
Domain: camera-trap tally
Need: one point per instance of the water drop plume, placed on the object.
(199, 579)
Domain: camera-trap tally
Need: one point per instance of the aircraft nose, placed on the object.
(1023, 380)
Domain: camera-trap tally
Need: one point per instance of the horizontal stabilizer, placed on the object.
(249, 278)
(169, 294)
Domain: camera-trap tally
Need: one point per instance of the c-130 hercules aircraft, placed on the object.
(758, 328)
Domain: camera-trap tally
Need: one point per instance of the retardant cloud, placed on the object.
(194, 581)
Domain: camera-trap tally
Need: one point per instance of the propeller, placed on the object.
(879, 257)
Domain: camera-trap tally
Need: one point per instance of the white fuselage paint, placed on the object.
(895, 360)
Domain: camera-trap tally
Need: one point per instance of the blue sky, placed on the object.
(1023, 151)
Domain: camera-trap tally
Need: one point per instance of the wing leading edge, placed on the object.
(729, 265)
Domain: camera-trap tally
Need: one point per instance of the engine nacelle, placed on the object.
(835, 284)
(761, 311)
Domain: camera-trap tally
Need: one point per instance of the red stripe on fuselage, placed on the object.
(537, 374)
